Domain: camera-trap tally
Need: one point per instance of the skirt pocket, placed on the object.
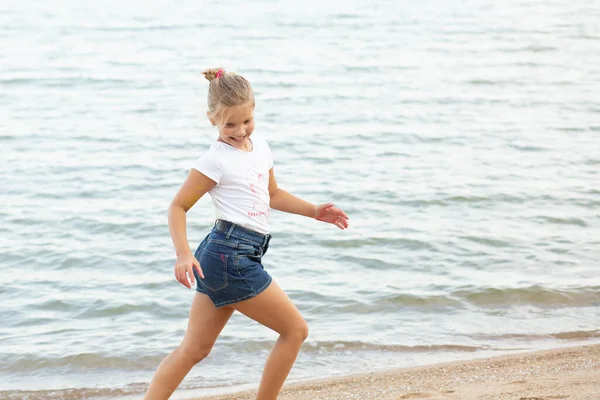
(214, 267)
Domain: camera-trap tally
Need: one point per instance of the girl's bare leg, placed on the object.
(205, 324)
(275, 310)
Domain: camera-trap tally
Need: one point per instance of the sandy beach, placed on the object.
(571, 373)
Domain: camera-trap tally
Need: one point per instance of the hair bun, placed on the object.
(212, 73)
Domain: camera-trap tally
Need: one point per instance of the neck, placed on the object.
(247, 147)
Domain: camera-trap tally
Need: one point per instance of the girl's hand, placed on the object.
(185, 264)
(329, 213)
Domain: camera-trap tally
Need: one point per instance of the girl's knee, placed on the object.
(299, 332)
(196, 352)
(304, 331)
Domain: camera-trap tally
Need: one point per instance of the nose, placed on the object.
(240, 133)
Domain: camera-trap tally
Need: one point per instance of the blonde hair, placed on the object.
(227, 90)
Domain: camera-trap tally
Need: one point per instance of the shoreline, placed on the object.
(571, 373)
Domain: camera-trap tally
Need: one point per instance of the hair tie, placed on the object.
(219, 73)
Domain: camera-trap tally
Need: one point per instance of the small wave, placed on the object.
(570, 335)
(373, 69)
(482, 82)
(533, 295)
(89, 139)
(468, 199)
(584, 37)
(530, 49)
(92, 225)
(56, 305)
(102, 309)
(540, 49)
(72, 394)
(91, 361)
(428, 301)
(394, 154)
(341, 345)
(374, 241)
(391, 303)
(364, 346)
(33, 322)
(592, 161)
(148, 28)
(487, 241)
(65, 81)
(490, 82)
(528, 148)
(562, 221)
(570, 129)
(368, 263)
(32, 362)
(482, 297)
(346, 16)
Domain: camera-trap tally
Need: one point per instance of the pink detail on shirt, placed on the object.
(256, 213)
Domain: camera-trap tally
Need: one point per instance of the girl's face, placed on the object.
(235, 126)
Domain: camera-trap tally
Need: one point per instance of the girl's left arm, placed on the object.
(284, 201)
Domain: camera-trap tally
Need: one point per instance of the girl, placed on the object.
(237, 172)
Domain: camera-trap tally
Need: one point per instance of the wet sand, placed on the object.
(568, 373)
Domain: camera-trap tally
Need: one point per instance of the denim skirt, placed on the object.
(230, 258)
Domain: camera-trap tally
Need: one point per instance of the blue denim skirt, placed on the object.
(230, 258)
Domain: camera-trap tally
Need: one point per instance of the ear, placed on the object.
(212, 121)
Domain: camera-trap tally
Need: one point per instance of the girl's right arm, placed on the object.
(194, 187)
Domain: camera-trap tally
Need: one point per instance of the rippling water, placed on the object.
(462, 139)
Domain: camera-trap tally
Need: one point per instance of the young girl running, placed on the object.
(237, 172)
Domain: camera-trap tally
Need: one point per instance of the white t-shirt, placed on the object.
(241, 195)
